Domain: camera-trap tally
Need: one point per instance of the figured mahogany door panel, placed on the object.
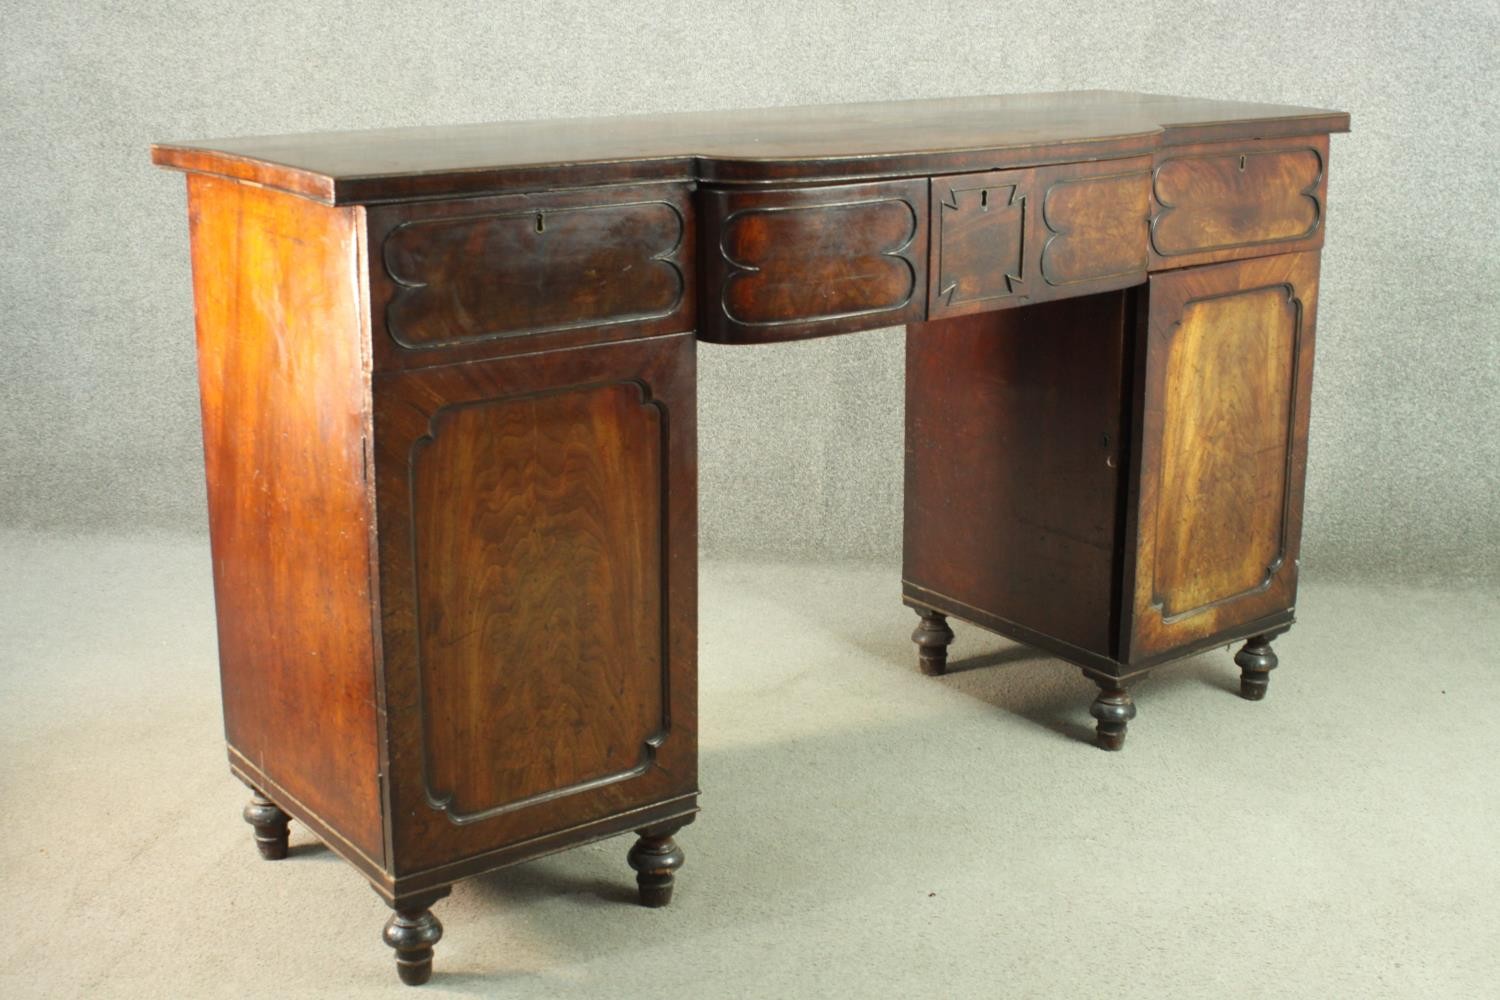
(538, 564)
(807, 262)
(285, 421)
(538, 546)
(1222, 453)
(1014, 457)
(1014, 237)
(1226, 201)
(488, 277)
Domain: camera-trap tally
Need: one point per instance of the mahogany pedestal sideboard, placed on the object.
(449, 419)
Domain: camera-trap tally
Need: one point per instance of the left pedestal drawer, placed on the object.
(486, 277)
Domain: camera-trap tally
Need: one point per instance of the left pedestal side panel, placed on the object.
(283, 365)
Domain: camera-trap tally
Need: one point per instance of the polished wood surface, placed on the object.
(450, 428)
(807, 262)
(1113, 709)
(271, 825)
(538, 535)
(656, 859)
(482, 277)
(1091, 218)
(1222, 417)
(1024, 481)
(979, 241)
(933, 637)
(1227, 201)
(1226, 393)
(281, 373)
(841, 142)
(1016, 237)
(486, 277)
(1256, 660)
(1015, 448)
(538, 550)
(413, 932)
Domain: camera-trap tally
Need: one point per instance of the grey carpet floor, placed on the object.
(866, 832)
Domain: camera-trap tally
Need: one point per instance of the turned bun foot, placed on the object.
(932, 637)
(655, 858)
(270, 825)
(1256, 661)
(413, 932)
(1114, 710)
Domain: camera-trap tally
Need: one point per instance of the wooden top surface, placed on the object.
(799, 144)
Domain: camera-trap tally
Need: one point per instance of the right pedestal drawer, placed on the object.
(1226, 201)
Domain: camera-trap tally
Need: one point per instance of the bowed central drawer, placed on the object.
(474, 278)
(791, 263)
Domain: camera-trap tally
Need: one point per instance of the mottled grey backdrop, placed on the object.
(801, 444)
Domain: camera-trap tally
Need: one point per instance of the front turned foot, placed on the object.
(412, 931)
(1114, 710)
(932, 637)
(270, 825)
(656, 858)
(1256, 661)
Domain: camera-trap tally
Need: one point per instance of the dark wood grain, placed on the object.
(532, 272)
(979, 241)
(281, 373)
(933, 637)
(1256, 660)
(808, 262)
(537, 529)
(449, 411)
(759, 146)
(1010, 238)
(270, 823)
(1113, 709)
(656, 857)
(1220, 466)
(538, 550)
(1030, 508)
(1227, 201)
(1014, 448)
(412, 931)
(1093, 221)
(487, 277)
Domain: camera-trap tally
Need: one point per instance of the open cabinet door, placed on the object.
(1215, 520)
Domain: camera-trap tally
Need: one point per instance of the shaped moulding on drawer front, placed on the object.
(480, 278)
(1229, 201)
(790, 264)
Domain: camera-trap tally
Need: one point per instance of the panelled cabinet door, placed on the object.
(538, 560)
(1222, 410)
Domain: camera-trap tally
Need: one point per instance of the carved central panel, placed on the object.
(537, 538)
(981, 244)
